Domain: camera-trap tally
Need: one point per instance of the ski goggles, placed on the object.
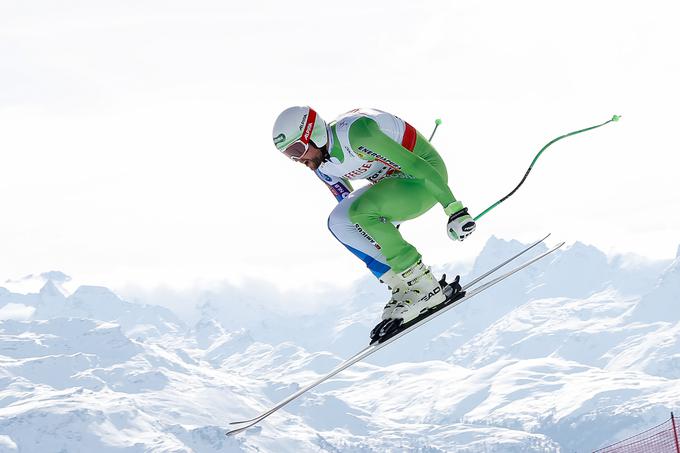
(299, 147)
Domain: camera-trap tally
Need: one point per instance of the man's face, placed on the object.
(312, 158)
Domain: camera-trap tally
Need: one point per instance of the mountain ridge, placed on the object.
(537, 365)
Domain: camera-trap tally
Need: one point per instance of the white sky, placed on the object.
(135, 136)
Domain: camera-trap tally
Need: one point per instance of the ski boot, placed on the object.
(422, 293)
(398, 288)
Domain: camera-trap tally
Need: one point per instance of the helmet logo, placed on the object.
(279, 139)
(302, 122)
(309, 126)
(307, 132)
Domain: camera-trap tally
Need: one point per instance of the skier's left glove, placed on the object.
(461, 224)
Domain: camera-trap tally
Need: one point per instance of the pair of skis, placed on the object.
(454, 298)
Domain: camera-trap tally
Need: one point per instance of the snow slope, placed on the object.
(570, 355)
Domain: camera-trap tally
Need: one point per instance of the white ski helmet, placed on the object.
(295, 127)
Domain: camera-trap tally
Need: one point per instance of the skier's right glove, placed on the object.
(461, 224)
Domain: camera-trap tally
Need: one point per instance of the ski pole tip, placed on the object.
(616, 117)
(438, 121)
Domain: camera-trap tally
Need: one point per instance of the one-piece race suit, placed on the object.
(407, 178)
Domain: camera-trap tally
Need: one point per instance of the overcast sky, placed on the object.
(135, 137)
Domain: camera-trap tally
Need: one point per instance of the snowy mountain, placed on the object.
(88, 302)
(569, 355)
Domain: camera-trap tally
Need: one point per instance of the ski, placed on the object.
(374, 347)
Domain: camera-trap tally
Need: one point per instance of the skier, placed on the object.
(407, 177)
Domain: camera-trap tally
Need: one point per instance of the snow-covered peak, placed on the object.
(87, 302)
(662, 303)
(32, 283)
(101, 293)
(497, 250)
(578, 271)
(206, 332)
(227, 345)
(51, 291)
(671, 276)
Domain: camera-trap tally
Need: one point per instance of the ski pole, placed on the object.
(437, 122)
(614, 118)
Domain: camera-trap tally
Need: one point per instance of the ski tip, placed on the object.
(616, 117)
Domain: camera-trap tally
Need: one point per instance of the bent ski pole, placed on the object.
(614, 118)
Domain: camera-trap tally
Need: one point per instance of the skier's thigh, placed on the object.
(395, 199)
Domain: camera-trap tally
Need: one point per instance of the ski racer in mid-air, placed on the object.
(407, 177)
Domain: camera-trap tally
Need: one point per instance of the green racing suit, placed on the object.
(407, 176)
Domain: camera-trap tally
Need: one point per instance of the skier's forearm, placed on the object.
(365, 133)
